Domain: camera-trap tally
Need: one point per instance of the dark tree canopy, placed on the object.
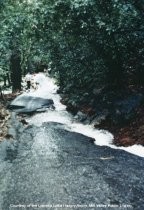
(89, 45)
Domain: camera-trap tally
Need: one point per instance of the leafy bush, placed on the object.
(89, 44)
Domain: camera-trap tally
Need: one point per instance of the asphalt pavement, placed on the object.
(48, 167)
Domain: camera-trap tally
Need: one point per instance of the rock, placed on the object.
(100, 118)
(81, 116)
(29, 104)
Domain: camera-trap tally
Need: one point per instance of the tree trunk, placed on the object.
(8, 79)
(1, 94)
(15, 66)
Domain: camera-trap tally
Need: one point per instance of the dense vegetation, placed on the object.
(93, 47)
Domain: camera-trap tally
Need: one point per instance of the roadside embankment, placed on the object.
(5, 115)
(122, 116)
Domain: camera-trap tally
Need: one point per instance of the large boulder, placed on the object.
(28, 104)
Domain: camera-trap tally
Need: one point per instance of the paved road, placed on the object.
(49, 167)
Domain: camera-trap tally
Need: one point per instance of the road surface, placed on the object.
(48, 167)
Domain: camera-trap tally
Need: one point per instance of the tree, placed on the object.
(15, 67)
(89, 44)
(18, 38)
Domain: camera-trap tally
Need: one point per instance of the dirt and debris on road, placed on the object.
(4, 117)
(5, 114)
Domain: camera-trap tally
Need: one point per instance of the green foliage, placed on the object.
(19, 28)
(92, 44)
(88, 44)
